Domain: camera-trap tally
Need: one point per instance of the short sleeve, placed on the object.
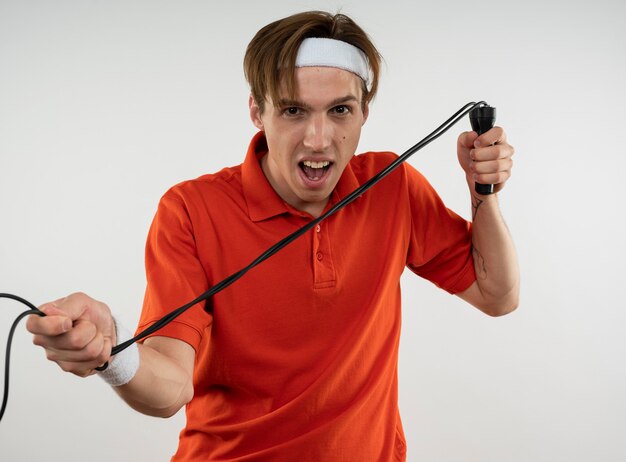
(440, 247)
(174, 273)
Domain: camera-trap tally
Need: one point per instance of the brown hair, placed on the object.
(271, 54)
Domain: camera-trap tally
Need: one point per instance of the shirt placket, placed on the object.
(323, 268)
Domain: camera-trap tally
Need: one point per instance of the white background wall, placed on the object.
(105, 104)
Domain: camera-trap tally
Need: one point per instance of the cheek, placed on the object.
(349, 134)
(284, 152)
(350, 140)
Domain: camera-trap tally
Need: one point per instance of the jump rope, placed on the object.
(482, 118)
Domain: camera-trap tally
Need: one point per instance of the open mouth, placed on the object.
(314, 171)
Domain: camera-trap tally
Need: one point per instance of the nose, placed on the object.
(319, 133)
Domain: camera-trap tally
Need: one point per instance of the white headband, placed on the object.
(326, 52)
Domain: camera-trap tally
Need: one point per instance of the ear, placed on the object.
(255, 113)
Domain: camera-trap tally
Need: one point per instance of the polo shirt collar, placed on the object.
(263, 202)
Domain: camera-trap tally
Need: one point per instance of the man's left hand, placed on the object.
(486, 159)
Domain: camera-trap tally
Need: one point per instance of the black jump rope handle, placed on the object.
(482, 119)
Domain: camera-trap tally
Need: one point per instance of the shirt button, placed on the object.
(318, 228)
(320, 256)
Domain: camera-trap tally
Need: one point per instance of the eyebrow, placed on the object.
(285, 102)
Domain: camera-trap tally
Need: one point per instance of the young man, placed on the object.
(298, 359)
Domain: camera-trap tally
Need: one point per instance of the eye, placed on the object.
(341, 109)
(292, 111)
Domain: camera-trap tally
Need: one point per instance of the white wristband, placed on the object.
(123, 366)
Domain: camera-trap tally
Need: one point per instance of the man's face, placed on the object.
(311, 138)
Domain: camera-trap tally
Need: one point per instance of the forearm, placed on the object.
(495, 259)
(77, 333)
(163, 382)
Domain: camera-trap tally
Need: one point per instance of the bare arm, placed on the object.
(164, 382)
(487, 159)
(78, 333)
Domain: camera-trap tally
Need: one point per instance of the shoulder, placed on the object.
(207, 185)
(204, 192)
(228, 177)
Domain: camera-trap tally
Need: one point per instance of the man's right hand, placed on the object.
(77, 333)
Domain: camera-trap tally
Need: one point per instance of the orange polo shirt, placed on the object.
(297, 360)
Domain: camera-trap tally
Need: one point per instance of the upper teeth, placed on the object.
(312, 164)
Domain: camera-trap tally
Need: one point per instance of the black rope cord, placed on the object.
(264, 256)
